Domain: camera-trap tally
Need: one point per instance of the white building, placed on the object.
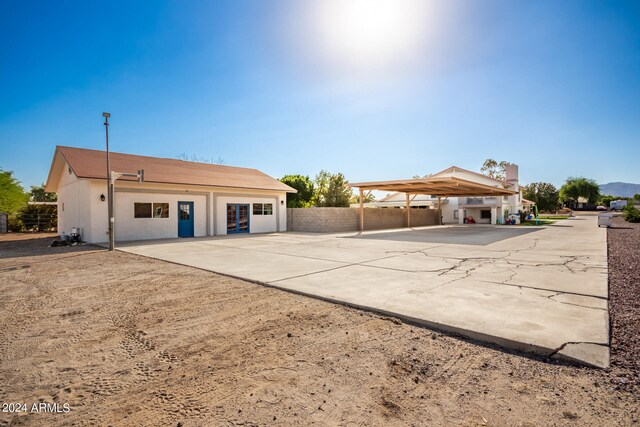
(176, 199)
(483, 210)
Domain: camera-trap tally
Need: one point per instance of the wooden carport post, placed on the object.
(361, 210)
(439, 210)
(408, 207)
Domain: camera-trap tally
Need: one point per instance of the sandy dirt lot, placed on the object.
(126, 340)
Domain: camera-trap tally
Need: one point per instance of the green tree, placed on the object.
(12, 195)
(631, 213)
(636, 197)
(304, 185)
(37, 194)
(370, 198)
(321, 183)
(494, 169)
(576, 187)
(606, 200)
(544, 194)
(331, 190)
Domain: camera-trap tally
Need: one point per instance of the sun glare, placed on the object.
(369, 36)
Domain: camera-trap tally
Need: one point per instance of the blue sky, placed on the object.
(552, 86)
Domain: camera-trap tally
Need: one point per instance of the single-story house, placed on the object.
(176, 199)
(486, 209)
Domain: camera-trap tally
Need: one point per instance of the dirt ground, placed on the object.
(126, 340)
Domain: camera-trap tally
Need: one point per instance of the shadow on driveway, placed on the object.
(460, 235)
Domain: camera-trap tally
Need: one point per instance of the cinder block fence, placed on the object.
(336, 220)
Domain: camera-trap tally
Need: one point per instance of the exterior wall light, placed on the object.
(282, 202)
(102, 198)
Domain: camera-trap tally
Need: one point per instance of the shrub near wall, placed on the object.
(336, 220)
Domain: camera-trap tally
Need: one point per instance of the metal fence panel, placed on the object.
(4, 224)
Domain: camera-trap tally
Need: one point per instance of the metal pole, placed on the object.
(112, 232)
(109, 184)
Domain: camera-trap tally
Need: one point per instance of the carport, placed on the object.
(447, 186)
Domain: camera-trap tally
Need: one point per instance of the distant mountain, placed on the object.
(623, 189)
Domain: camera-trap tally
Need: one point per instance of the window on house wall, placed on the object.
(257, 208)
(268, 209)
(151, 210)
(161, 210)
(142, 210)
(485, 214)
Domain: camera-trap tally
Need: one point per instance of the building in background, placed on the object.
(483, 210)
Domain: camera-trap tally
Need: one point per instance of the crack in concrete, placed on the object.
(397, 269)
(551, 297)
(533, 246)
(310, 274)
(467, 273)
(514, 273)
(543, 289)
(559, 349)
(453, 267)
(424, 251)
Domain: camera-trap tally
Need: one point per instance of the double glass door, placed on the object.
(237, 218)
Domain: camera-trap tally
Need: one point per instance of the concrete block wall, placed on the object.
(336, 220)
(322, 220)
(422, 217)
(379, 219)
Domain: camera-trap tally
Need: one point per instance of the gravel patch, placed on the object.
(624, 291)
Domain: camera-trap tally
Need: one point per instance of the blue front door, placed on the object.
(185, 219)
(237, 218)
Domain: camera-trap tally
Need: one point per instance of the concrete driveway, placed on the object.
(539, 289)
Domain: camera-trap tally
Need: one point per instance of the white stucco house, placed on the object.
(177, 198)
(483, 210)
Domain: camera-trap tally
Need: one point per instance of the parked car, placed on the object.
(601, 208)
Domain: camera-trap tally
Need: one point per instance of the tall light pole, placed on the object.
(109, 186)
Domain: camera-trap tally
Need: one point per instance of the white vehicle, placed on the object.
(617, 205)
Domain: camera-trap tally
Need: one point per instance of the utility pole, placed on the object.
(109, 185)
(112, 184)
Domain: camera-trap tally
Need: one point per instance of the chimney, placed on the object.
(511, 172)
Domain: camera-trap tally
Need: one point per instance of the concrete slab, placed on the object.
(541, 289)
(239, 262)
